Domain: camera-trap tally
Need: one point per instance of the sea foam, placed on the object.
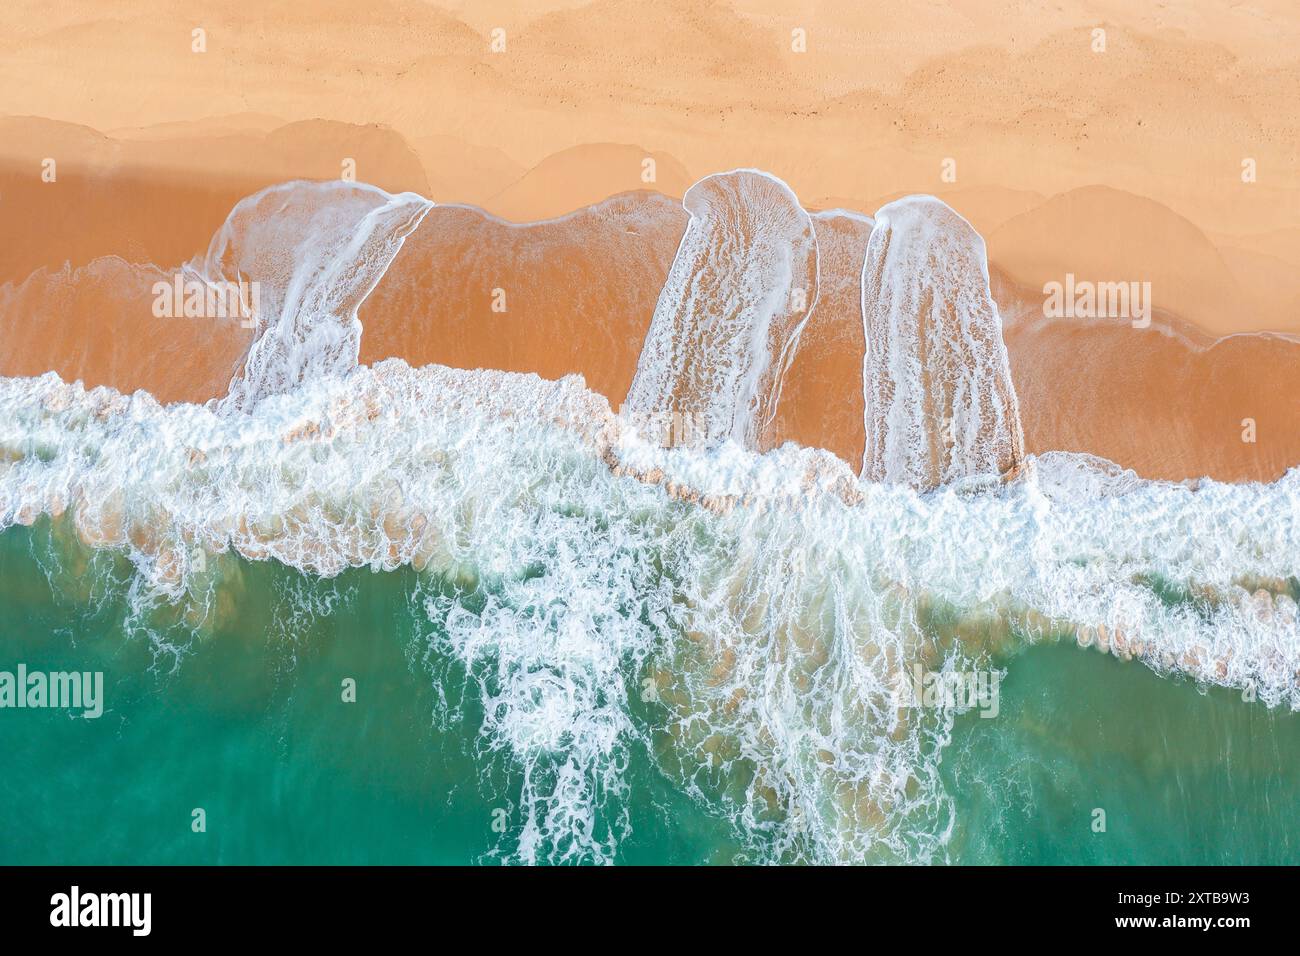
(940, 402)
(315, 250)
(728, 319)
(772, 600)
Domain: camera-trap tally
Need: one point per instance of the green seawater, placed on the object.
(247, 721)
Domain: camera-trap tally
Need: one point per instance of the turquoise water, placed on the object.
(1184, 776)
(247, 721)
(250, 725)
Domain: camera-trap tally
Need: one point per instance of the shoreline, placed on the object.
(1170, 401)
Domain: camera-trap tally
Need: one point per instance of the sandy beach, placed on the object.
(1103, 157)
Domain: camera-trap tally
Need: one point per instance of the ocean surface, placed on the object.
(250, 726)
(376, 613)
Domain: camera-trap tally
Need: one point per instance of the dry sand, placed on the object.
(1117, 165)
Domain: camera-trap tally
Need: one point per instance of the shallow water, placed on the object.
(1184, 775)
(248, 723)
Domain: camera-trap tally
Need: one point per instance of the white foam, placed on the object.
(772, 600)
(316, 249)
(940, 404)
(728, 319)
(775, 628)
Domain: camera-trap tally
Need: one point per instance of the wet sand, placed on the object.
(1168, 401)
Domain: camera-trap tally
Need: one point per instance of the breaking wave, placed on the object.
(772, 601)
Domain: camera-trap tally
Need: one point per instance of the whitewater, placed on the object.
(745, 616)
